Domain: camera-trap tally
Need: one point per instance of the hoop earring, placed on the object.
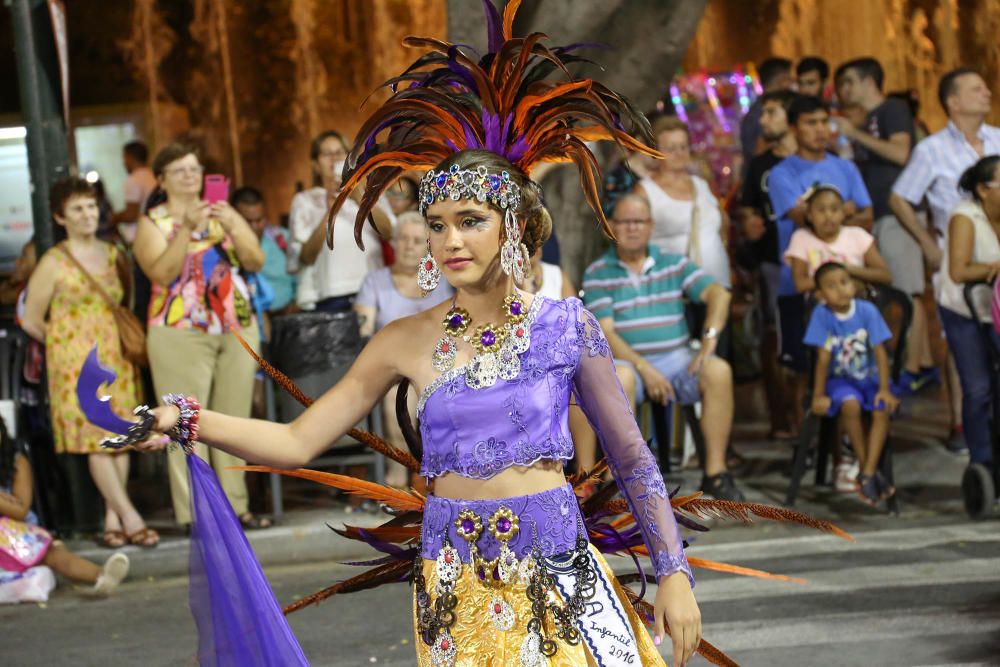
(428, 274)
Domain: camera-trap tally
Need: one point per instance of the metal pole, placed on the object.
(41, 99)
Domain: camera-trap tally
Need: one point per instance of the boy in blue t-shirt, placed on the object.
(852, 372)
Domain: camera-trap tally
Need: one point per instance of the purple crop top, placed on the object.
(479, 433)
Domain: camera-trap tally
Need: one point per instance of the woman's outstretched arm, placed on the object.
(315, 430)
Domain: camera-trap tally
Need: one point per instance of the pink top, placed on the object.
(848, 248)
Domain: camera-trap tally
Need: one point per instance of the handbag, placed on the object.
(131, 333)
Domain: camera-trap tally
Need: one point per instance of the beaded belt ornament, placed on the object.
(435, 617)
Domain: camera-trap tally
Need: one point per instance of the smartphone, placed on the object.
(216, 188)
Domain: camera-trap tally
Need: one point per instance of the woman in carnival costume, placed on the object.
(506, 568)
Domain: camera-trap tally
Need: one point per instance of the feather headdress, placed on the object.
(519, 101)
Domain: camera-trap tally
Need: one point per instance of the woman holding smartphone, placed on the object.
(193, 253)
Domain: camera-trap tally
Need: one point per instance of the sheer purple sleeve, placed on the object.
(635, 469)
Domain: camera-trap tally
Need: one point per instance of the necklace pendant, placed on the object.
(482, 371)
(508, 362)
(443, 358)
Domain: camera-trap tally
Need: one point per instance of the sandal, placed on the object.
(251, 521)
(146, 537)
(112, 539)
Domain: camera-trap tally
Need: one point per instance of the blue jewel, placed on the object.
(441, 180)
(495, 182)
(454, 169)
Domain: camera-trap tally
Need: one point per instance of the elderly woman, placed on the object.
(390, 294)
(687, 218)
(79, 316)
(194, 254)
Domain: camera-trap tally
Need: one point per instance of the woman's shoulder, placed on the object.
(968, 208)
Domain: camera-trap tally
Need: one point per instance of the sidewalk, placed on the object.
(301, 537)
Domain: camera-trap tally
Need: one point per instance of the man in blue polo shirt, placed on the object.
(809, 120)
(637, 293)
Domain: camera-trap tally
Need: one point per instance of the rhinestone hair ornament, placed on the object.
(456, 183)
(518, 101)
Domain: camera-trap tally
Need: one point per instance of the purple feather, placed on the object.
(491, 131)
(518, 149)
(494, 27)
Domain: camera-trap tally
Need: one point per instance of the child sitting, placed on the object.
(852, 372)
(826, 239)
(24, 544)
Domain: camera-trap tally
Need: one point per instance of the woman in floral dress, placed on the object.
(78, 318)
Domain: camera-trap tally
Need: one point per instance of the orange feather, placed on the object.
(400, 500)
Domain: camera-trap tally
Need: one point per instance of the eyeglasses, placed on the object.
(176, 171)
(631, 222)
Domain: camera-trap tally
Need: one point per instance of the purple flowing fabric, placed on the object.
(239, 621)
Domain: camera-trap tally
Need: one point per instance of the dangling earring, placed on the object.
(428, 275)
(511, 257)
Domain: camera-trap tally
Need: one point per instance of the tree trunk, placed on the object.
(647, 39)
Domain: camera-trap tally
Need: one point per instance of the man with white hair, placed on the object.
(637, 293)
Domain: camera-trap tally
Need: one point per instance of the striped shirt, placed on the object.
(935, 166)
(647, 307)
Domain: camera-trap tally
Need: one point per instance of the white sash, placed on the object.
(604, 625)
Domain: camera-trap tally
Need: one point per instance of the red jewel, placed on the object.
(444, 349)
(519, 332)
(444, 644)
(496, 608)
(428, 265)
(447, 556)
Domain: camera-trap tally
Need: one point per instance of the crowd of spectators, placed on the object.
(838, 199)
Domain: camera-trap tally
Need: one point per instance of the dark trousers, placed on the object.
(972, 359)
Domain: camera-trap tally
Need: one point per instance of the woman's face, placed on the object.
(676, 148)
(182, 177)
(465, 241)
(410, 245)
(331, 151)
(989, 193)
(80, 216)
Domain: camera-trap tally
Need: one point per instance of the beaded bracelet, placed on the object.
(185, 431)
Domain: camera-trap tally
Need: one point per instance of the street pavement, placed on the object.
(921, 589)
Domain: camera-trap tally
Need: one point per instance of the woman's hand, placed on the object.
(675, 605)
(196, 216)
(166, 419)
(225, 214)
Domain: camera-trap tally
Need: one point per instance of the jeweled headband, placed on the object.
(478, 184)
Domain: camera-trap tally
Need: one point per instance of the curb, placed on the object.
(307, 540)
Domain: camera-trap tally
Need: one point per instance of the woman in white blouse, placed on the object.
(687, 218)
(330, 279)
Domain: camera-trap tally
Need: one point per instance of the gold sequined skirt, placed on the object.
(481, 644)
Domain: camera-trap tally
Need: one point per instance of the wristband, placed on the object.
(185, 431)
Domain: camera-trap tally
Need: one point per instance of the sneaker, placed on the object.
(721, 487)
(868, 490)
(912, 383)
(956, 443)
(845, 477)
(112, 574)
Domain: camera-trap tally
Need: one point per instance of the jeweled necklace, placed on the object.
(496, 346)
